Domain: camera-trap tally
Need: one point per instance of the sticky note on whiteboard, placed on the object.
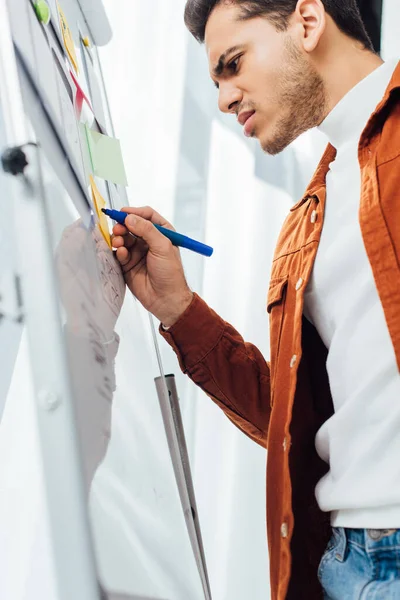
(67, 38)
(100, 203)
(106, 157)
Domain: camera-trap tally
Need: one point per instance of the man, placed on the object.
(327, 406)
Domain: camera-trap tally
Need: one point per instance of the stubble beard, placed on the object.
(302, 92)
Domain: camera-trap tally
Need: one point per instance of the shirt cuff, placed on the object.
(195, 334)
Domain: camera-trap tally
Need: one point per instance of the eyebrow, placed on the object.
(219, 69)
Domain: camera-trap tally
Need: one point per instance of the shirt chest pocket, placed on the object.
(276, 309)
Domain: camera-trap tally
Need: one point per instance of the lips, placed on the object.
(247, 120)
(242, 118)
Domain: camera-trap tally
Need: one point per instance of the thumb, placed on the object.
(145, 229)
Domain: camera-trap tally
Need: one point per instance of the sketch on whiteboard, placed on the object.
(91, 311)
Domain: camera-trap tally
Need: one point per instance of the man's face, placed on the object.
(268, 80)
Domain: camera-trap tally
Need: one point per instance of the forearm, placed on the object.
(232, 372)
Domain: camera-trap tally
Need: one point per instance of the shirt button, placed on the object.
(299, 284)
(314, 216)
(284, 530)
(293, 361)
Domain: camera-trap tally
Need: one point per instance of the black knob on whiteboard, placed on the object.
(14, 160)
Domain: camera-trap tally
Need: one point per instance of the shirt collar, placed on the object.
(349, 117)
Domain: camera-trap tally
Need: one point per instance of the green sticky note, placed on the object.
(106, 157)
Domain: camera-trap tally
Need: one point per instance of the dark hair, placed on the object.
(345, 13)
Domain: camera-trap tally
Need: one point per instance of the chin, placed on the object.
(274, 146)
(267, 142)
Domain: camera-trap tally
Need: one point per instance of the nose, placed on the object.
(229, 98)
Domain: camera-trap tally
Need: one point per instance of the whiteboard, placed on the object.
(140, 536)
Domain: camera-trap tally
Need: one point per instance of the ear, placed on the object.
(311, 15)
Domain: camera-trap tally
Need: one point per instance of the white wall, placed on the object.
(390, 29)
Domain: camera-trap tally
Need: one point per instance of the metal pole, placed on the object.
(169, 402)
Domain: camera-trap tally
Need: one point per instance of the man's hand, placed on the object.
(152, 265)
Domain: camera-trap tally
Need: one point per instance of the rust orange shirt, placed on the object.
(281, 404)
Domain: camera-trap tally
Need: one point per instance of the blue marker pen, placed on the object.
(176, 238)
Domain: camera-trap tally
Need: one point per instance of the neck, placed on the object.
(343, 68)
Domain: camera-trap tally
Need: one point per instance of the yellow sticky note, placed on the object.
(100, 203)
(68, 39)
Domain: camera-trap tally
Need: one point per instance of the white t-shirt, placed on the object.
(361, 442)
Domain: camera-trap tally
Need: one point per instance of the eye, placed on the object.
(233, 65)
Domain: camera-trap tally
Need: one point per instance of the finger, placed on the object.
(119, 229)
(129, 260)
(148, 213)
(131, 243)
(123, 256)
(117, 241)
(137, 255)
(157, 242)
(127, 240)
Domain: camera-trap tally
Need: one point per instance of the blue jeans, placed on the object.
(361, 564)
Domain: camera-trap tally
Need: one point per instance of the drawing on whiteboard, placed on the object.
(92, 291)
(84, 259)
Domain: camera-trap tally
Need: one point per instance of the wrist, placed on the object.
(176, 311)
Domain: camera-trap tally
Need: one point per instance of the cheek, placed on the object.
(267, 63)
(264, 83)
